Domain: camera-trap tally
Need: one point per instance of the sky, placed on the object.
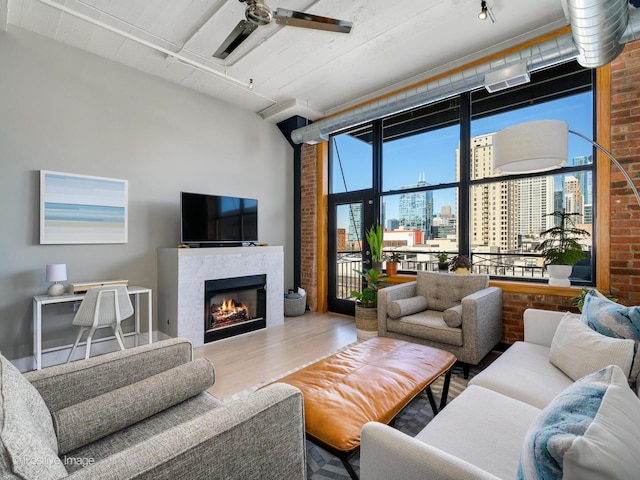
(432, 156)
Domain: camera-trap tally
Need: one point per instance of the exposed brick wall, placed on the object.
(625, 146)
(514, 305)
(309, 227)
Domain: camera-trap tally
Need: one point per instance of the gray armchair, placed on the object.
(144, 413)
(457, 313)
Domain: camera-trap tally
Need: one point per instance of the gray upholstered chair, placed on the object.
(457, 313)
(144, 413)
(102, 307)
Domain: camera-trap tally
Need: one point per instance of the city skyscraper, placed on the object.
(495, 206)
(573, 200)
(355, 222)
(536, 202)
(585, 179)
(416, 209)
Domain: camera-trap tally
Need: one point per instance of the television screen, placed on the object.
(217, 219)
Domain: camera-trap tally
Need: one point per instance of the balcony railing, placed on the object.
(516, 266)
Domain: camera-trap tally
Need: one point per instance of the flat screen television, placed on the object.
(217, 220)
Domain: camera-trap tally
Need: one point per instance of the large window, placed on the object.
(436, 190)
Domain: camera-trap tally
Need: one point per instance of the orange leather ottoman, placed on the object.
(371, 381)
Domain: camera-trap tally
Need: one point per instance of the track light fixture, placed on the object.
(485, 12)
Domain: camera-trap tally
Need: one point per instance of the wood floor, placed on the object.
(243, 361)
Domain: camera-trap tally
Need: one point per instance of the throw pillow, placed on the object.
(614, 320)
(28, 441)
(88, 421)
(590, 431)
(406, 306)
(578, 351)
(453, 316)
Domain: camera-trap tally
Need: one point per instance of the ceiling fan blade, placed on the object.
(235, 38)
(307, 20)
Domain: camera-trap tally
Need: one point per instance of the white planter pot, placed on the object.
(559, 275)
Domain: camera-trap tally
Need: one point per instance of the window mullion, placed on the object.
(464, 193)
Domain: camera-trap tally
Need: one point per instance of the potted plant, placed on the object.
(367, 303)
(460, 264)
(443, 264)
(561, 249)
(374, 237)
(392, 263)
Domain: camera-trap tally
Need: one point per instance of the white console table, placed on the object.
(41, 300)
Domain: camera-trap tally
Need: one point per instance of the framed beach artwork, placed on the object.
(82, 209)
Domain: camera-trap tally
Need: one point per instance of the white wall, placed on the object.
(66, 110)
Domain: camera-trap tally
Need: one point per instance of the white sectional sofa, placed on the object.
(483, 433)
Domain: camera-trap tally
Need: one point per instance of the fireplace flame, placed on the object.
(229, 310)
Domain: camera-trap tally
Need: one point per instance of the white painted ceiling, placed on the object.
(311, 73)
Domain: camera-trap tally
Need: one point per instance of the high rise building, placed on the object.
(416, 209)
(585, 179)
(573, 200)
(355, 223)
(494, 206)
(536, 199)
(393, 224)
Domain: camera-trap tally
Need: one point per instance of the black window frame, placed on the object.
(551, 83)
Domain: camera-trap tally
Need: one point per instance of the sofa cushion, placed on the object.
(446, 290)
(524, 372)
(578, 350)
(463, 429)
(28, 439)
(406, 306)
(428, 324)
(88, 421)
(590, 431)
(453, 316)
(614, 320)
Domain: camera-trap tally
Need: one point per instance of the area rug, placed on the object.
(322, 465)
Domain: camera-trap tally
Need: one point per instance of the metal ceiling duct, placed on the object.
(601, 23)
(597, 27)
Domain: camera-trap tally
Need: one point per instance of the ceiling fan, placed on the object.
(257, 14)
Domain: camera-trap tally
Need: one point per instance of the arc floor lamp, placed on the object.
(539, 146)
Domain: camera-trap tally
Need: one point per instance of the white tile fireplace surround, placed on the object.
(183, 271)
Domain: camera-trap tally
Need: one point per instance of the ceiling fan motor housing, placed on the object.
(258, 13)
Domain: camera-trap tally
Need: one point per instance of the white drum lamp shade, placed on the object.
(56, 272)
(531, 147)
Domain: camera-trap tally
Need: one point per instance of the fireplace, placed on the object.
(233, 306)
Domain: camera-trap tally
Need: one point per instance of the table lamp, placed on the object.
(56, 272)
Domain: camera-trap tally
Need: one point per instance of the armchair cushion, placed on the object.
(28, 441)
(453, 316)
(578, 351)
(590, 431)
(446, 290)
(614, 320)
(406, 306)
(92, 419)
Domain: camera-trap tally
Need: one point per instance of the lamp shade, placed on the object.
(56, 272)
(531, 147)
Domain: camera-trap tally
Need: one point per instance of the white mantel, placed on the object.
(183, 271)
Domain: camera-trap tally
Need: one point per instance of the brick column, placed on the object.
(625, 146)
(309, 226)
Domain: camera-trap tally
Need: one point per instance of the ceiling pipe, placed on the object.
(169, 53)
(552, 52)
(597, 27)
